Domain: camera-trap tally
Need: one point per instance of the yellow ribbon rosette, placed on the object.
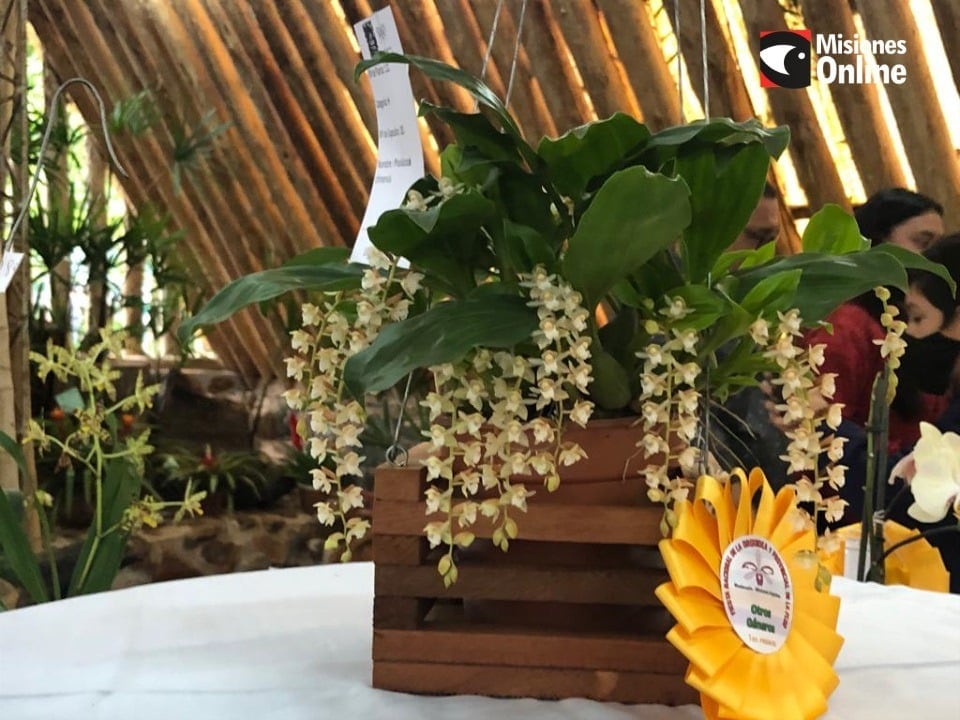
(918, 565)
(760, 638)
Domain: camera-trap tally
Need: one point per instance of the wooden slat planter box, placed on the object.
(569, 611)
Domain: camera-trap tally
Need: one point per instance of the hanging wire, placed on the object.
(25, 204)
(516, 51)
(703, 59)
(490, 39)
(676, 30)
(396, 454)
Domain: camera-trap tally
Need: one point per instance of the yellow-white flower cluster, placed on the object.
(807, 414)
(893, 346)
(496, 420)
(669, 406)
(331, 423)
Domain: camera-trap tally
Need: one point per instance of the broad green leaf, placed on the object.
(634, 215)
(100, 557)
(722, 131)
(725, 185)
(444, 333)
(830, 280)
(476, 132)
(268, 284)
(588, 151)
(445, 241)
(610, 388)
(913, 261)
(772, 293)
(833, 230)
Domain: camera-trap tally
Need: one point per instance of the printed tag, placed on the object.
(400, 152)
(757, 593)
(8, 267)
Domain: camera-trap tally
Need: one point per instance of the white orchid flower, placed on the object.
(936, 484)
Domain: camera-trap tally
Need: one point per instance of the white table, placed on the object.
(291, 644)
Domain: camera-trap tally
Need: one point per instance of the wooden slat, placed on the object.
(142, 161)
(399, 613)
(602, 76)
(558, 523)
(405, 483)
(528, 649)
(639, 49)
(503, 681)
(947, 13)
(859, 110)
(815, 165)
(923, 128)
(524, 584)
(398, 549)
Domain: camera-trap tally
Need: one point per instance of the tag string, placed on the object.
(25, 203)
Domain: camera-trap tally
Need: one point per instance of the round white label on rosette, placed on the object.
(757, 593)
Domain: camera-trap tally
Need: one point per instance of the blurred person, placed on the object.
(764, 224)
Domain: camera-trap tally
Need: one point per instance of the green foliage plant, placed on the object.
(105, 447)
(510, 253)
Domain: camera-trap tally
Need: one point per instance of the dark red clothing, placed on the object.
(853, 355)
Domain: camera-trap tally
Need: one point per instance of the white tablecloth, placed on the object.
(291, 644)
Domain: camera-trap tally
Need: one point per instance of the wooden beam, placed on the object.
(728, 91)
(602, 73)
(341, 96)
(923, 128)
(859, 109)
(815, 164)
(544, 44)
(639, 48)
(947, 13)
(57, 28)
(228, 62)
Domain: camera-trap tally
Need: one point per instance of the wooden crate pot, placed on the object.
(569, 611)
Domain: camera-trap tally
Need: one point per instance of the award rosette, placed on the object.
(759, 635)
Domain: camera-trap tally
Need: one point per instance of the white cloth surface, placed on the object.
(295, 644)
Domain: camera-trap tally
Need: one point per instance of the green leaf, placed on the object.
(830, 280)
(103, 554)
(445, 241)
(914, 261)
(14, 450)
(634, 215)
(707, 305)
(772, 293)
(70, 400)
(610, 388)
(13, 539)
(444, 333)
(591, 150)
(476, 132)
(269, 284)
(722, 131)
(833, 230)
(725, 186)
(436, 70)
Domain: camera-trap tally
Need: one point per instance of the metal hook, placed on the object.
(25, 204)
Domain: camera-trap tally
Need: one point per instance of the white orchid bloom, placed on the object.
(936, 484)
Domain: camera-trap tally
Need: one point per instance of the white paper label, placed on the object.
(400, 152)
(757, 593)
(8, 267)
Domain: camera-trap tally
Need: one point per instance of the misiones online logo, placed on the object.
(785, 59)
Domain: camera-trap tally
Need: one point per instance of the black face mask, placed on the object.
(928, 363)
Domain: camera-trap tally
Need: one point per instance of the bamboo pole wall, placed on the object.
(293, 168)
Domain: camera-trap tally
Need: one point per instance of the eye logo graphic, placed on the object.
(785, 58)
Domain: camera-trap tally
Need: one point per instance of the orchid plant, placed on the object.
(507, 257)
